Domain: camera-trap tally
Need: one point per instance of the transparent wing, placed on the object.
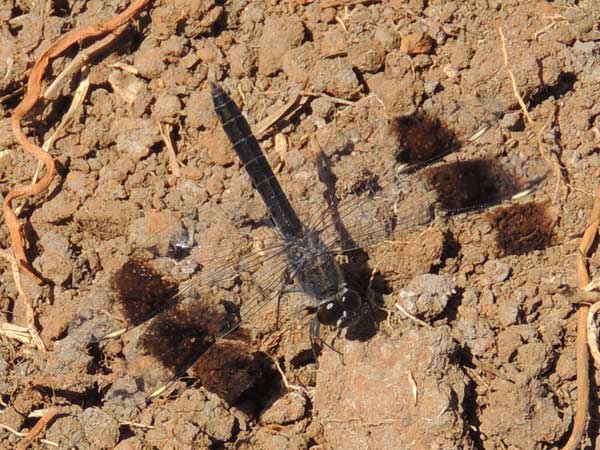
(222, 285)
(378, 206)
(169, 311)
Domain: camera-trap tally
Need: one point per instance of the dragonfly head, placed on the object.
(340, 310)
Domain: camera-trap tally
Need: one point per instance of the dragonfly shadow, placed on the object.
(358, 273)
(420, 140)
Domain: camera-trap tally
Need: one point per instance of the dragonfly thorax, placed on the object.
(321, 278)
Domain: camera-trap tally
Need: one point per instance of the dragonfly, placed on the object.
(203, 331)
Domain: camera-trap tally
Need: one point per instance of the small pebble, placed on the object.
(497, 271)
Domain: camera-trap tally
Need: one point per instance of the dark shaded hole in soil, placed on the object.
(65, 332)
(61, 8)
(95, 351)
(308, 35)
(450, 250)
(361, 80)
(303, 358)
(357, 271)
(14, 30)
(62, 168)
(422, 139)
(11, 103)
(455, 300)
(125, 432)
(564, 84)
(219, 26)
(89, 398)
(15, 12)
(522, 228)
(470, 407)
(470, 185)
(155, 149)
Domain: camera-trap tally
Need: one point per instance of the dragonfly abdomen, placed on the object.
(248, 150)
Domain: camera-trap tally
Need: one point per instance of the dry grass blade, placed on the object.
(16, 332)
(411, 317)
(592, 333)
(550, 157)
(275, 116)
(34, 337)
(165, 133)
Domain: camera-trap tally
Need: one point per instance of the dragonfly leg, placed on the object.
(316, 340)
(286, 288)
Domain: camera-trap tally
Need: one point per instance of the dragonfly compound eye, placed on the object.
(351, 301)
(340, 312)
(329, 313)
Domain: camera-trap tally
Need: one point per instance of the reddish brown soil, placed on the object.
(493, 367)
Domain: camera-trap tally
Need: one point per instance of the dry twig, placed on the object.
(38, 428)
(18, 433)
(295, 101)
(400, 308)
(32, 95)
(78, 98)
(583, 375)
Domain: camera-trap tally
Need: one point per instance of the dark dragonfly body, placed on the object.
(314, 266)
